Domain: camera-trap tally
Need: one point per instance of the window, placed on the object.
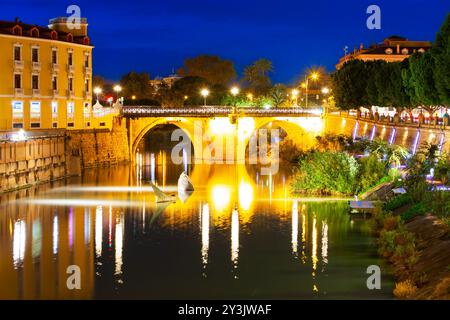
(55, 83)
(70, 59)
(70, 85)
(54, 114)
(35, 54)
(17, 114)
(54, 56)
(388, 51)
(17, 53)
(86, 61)
(405, 51)
(70, 114)
(35, 114)
(17, 81)
(86, 85)
(35, 81)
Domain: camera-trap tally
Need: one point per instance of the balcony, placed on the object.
(87, 71)
(36, 66)
(36, 93)
(55, 67)
(18, 92)
(70, 94)
(55, 93)
(70, 69)
(18, 64)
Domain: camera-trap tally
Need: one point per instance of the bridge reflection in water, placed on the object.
(239, 235)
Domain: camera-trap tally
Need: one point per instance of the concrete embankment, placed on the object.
(63, 153)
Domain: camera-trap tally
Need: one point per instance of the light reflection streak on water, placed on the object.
(87, 225)
(119, 244)
(295, 228)
(19, 241)
(55, 234)
(205, 234)
(71, 226)
(235, 238)
(314, 247)
(304, 232)
(314, 253)
(98, 231)
(110, 227)
(324, 242)
(152, 168)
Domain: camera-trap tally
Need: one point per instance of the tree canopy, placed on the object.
(212, 68)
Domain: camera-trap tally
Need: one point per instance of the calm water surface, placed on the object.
(239, 235)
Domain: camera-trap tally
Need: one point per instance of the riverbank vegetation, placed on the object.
(340, 166)
(413, 228)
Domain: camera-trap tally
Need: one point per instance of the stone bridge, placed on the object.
(202, 125)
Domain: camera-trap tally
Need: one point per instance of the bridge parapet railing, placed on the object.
(439, 125)
(211, 111)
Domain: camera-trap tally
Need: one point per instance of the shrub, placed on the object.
(440, 203)
(391, 223)
(419, 209)
(404, 289)
(371, 171)
(397, 202)
(326, 173)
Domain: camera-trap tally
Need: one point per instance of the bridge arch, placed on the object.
(142, 127)
(302, 131)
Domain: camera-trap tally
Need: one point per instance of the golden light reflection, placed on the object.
(294, 240)
(245, 195)
(221, 195)
(314, 247)
(325, 242)
(19, 240)
(304, 233)
(235, 238)
(205, 234)
(98, 230)
(119, 245)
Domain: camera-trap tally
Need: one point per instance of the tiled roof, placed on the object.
(7, 27)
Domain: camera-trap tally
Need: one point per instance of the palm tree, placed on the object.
(263, 67)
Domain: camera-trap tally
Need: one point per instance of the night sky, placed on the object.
(156, 35)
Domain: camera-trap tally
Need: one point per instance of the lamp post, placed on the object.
(117, 90)
(205, 93)
(325, 91)
(313, 76)
(97, 91)
(295, 96)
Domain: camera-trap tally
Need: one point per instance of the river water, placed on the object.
(239, 235)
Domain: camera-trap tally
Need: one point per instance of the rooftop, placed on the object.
(19, 28)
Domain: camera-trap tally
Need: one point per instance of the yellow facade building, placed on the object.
(45, 76)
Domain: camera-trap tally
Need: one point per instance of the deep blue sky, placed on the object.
(156, 35)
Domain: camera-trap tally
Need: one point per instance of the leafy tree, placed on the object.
(441, 54)
(349, 85)
(397, 93)
(211, 68)
(421, 67)
(136, 84)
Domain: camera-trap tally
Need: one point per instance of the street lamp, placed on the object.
(205, 93)
(295, 96)
(325, 90)
(97, 91)
(250, 96)
(117, 89)
(313, 76)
